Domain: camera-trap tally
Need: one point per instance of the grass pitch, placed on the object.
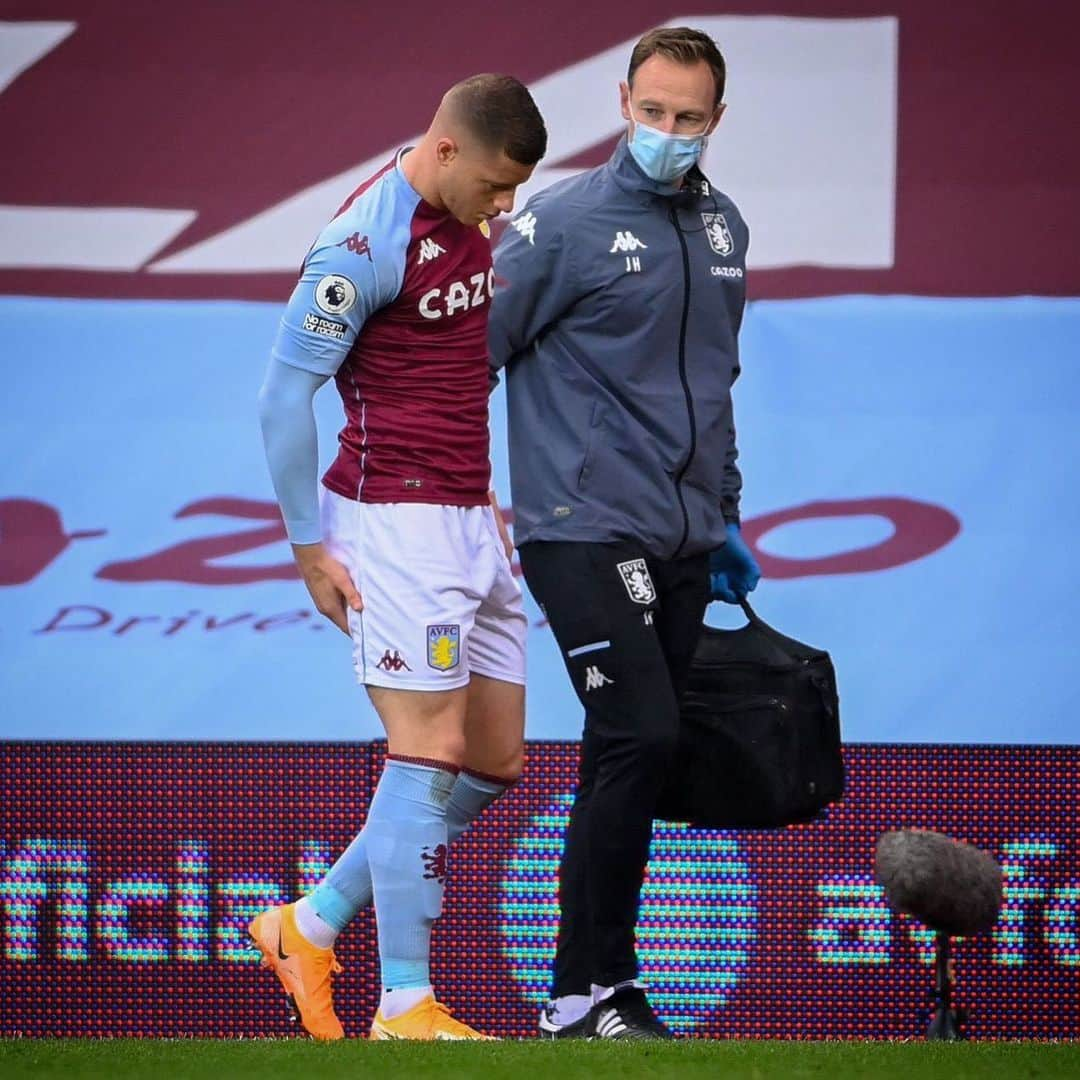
(265, 1059)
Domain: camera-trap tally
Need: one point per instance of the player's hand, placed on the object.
(329, 583)
(733, 570)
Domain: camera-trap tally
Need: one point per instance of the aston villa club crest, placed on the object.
(716, 229)
(635, 576)
(444, 646)
(434, 859)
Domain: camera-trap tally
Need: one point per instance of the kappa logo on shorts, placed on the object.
(635, 576)
(392, 662)
(443, 646)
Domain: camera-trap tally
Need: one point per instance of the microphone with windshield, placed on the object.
(952, 887)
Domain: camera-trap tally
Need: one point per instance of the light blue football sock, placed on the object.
(470, 796)
(347, 886)
(407, 848)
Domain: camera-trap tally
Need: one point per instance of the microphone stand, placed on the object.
(945, 1023)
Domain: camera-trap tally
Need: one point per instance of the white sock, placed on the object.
(599, 993)
(569, 1009)
(321, 934)
(396, 1002)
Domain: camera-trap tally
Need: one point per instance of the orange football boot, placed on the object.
(429, 1020)
(302, 968)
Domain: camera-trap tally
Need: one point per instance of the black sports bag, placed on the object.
(759, 739)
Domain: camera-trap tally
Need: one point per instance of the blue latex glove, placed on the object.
(733, 570)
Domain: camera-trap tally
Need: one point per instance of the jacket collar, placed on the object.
(626, 172)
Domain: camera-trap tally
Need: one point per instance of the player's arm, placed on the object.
(321, 321)
(535, 282)
(290, 438)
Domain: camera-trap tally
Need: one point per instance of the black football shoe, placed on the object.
(626, 1014)
(551, 1029)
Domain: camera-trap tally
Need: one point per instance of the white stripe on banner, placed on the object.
(815, 181)
(23, 44)
(86, 238)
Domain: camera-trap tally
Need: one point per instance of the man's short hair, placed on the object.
(683, 45)
(500, 112)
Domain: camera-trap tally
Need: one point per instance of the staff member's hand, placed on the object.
(328, 582)
(733, 570)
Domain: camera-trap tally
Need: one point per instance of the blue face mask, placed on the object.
(663, 157)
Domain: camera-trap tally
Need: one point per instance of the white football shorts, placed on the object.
(440, 599)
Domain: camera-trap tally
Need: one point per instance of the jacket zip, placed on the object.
(673, 215)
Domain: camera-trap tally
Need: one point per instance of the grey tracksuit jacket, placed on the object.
(616, 316)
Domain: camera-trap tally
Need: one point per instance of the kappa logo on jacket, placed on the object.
(627, 241)
(526, 225)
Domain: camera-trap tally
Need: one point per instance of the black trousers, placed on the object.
(627, 625)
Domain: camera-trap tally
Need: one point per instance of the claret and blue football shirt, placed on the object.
(392, 301)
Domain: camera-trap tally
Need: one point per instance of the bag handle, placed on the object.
(751, 614)
(755, 618)
(761, 624)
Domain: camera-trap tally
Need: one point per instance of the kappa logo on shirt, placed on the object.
(429, 250)
(357, 244)
(627, 241)
(526, 225)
